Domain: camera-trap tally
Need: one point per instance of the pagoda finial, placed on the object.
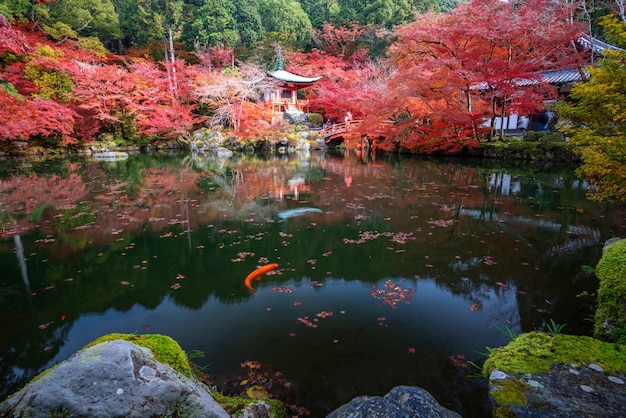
(279, 60)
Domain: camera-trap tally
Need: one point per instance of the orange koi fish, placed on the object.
(256, 274)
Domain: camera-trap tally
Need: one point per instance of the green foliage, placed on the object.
(614, 30)
(510, 392)
(611, 271)
(68, 18)
(315, 119)
(235, 404)
(287, 20)
(248, 21)
(127, 131)
(10, 89)
(554, 328)
(533, 136)
(195, 354)
(534, 352)
(508, 331)
(211, 22)
(93, 45)
(52, 85)
(15, 9)
(385, 13)
(587, 269)
(596, 121)
(60, 31)
(140, 23)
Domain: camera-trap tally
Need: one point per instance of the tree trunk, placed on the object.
(172, 60)
(167, 65)
(502, 116)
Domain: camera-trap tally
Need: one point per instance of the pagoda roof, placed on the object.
(288, 77)
(281, 74)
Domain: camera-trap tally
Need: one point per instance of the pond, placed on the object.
(393, 271)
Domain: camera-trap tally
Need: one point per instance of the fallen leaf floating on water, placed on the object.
(442, 222)
(46, 325)
(283, 290)
(176, 286)
(458, 360)
(391, 294)
(474, 307)
(411, 350)
(306, 322)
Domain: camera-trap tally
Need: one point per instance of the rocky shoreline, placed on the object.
(213, 142)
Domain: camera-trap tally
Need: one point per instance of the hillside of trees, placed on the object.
(431, 74)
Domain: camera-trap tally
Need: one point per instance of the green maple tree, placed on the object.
(595, 119)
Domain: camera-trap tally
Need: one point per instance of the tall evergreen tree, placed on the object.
(248, 21)
(140, 23)
(287, 20)
(65, 19)
(210, 22)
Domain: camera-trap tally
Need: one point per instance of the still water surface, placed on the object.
(390, 272)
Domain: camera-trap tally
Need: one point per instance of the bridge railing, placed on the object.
(339, 128)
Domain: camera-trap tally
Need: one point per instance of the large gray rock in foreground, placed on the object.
(400, 402)
(112, 379)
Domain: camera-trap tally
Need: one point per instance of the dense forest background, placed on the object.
(431, 75)
(123, 24)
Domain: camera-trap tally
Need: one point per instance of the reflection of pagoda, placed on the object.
(285, 97)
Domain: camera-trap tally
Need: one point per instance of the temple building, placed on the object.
(285, 97)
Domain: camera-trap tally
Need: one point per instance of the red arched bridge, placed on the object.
(339, 131)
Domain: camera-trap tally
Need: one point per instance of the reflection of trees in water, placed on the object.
(27, 355)
(194, 222)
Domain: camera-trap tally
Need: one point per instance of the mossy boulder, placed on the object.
(556, 375)
(610, 317)
(534, 352)
(115, 378)
(133, 376)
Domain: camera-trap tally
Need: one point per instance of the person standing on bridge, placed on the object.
(348, 117)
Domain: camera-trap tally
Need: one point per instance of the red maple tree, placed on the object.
(457, 71)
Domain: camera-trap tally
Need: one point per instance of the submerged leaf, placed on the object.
(257, 392)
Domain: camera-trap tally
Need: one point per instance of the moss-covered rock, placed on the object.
(556, 375)
(610, 315)
(534, 352)
(165, 349)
